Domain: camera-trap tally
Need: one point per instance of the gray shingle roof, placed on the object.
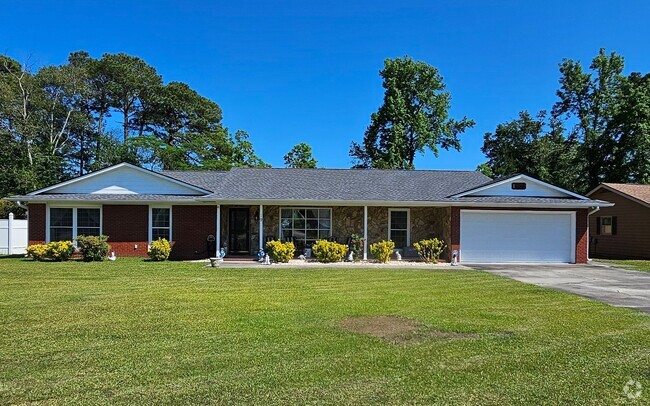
(344, 184)
(208, 180)
(99, 197)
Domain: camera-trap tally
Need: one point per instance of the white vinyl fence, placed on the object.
(13, 236)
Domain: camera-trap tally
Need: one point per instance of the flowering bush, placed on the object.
(329, 251)
(159, 250)
(280, 251)
(60, 250)
(382, 250)
(430, 250)
(93, 248)
(38, 252)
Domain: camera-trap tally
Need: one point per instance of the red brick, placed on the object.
(36, 224)
(126, 226)
(191, 225)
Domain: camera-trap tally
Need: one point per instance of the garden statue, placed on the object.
(351, 256)
(222, 253)
(267, 259)
(260, 255)
(398, 255)
(112, 257)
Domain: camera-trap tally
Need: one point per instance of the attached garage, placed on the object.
(490, 236)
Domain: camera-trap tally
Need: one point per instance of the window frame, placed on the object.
(150, 228)
(610, 225)
(48, 236)
(329, 209)
(408, 224)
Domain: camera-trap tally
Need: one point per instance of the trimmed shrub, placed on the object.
(382, 250)
(356, 246)
(159, 250)
(60, 250)
(329, 251)
(93, 248)
(430, 250)
(280, 251)
(37, 252)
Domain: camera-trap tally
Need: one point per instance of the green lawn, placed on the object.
(134, 332)
(635, 264)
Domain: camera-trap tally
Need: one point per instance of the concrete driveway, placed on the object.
(607, 284)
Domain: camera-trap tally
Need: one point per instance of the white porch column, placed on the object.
(218, 240)
(261, 226)
(365, 233)
(10, 234)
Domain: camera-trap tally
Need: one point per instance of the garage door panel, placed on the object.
(492, 236)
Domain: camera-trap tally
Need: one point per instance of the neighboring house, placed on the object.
(515, 219)
(621, 231)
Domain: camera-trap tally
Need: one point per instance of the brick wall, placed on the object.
(127, 226)
(191, 225)
(36, 224)
(581, 229)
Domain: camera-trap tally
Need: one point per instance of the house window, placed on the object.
(61, 224)
(305, 226)
(606, 225)
(398, 227)
(67, 223)
(161, 220)
(88, 222)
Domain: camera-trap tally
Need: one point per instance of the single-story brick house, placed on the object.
(514, 219)
(623, 230)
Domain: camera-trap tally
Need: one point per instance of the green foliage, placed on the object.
(93, 248)
(7, 207)
(54, 251)
(329, 251)
(38, 252)
(280, 251)
(414, 117)
(356, 246)
(54, 123)
(382, 250)
(598, 130)
(300, 156)
(159, 250)
(430, 250)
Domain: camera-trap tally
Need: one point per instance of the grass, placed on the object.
(140, 332)
(634, 264)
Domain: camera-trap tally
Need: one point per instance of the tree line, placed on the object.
(86, 114)
(62, 121)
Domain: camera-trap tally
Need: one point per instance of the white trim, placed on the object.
(515, 178)
(74, 219)
(261, 225)
(408, 223)
(548, 212)
(365, 233)
(111, 168)
(154, 206)
(218, 239)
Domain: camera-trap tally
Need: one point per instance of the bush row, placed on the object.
(91, 248)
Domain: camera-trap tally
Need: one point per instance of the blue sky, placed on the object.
(296, 71)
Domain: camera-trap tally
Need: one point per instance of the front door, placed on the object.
(239, 231)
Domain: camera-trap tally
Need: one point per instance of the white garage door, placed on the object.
(498, 236)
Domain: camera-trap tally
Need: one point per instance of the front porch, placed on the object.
(243, 229)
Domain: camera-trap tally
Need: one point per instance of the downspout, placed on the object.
(588, 233)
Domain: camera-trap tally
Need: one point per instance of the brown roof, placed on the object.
(636, 191)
